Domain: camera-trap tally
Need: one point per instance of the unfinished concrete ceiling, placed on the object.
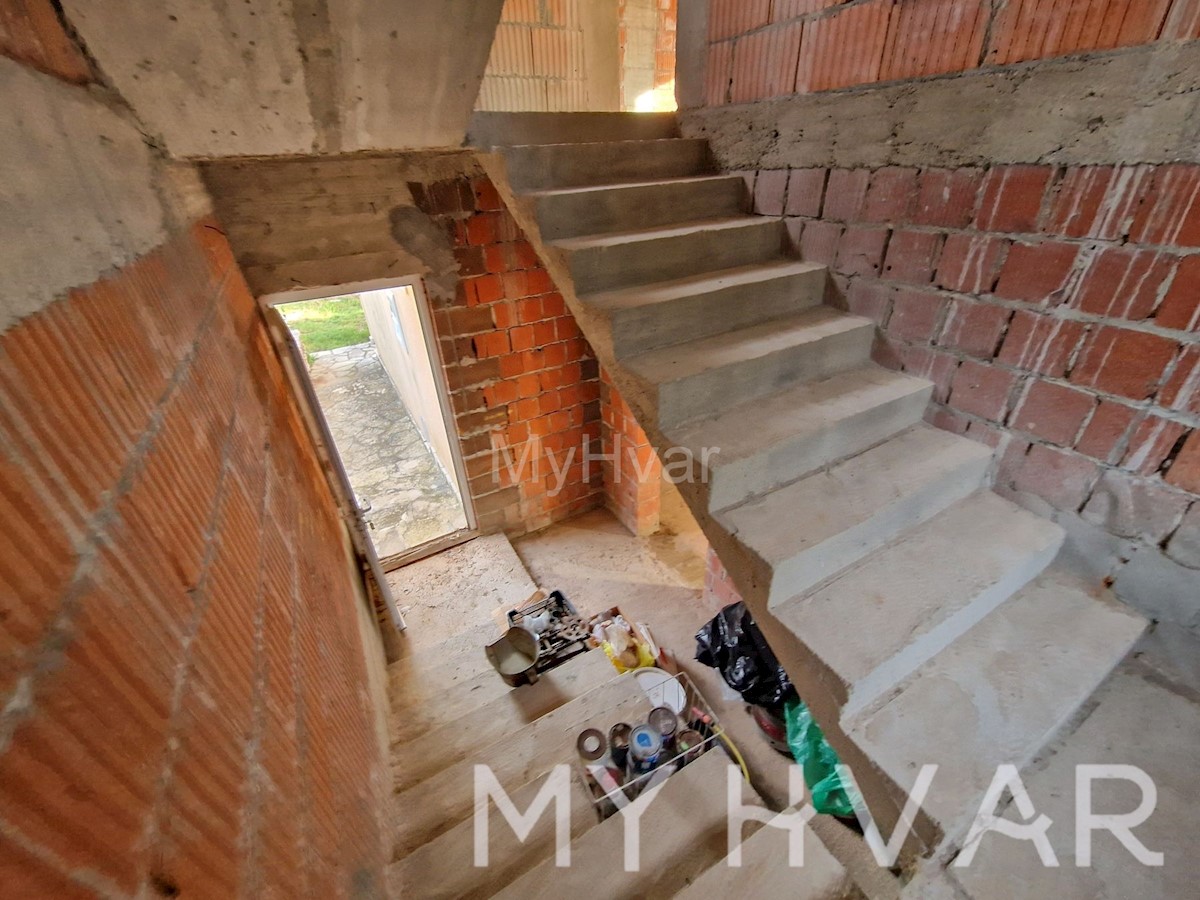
(235, 78)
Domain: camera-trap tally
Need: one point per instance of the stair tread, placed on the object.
(444, 868)
(665, 291)
(622, 185)
(639, 141)
(765, 870)
(616, 238)
(1001, 690)
(493, 710)
(434, 805)
(1137, 719)
(804, 513)
(909, 599)
(682, 831)
(753, 428)
(694, 357)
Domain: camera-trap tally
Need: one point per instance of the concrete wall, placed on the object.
(292, 76)
(394, 321)
(185, 690)
(1024, 235)
(553, 57)
(522, 378)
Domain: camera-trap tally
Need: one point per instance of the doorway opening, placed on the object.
(375, 376)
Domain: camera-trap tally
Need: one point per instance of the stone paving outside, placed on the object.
(388, 462)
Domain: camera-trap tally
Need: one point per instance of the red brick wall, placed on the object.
(537, 58)
(719, 591)
(183, 678)
(1056, 308)
(524, 382)
(632, 471)
(31, 32)
(768, 48)
(664, 42)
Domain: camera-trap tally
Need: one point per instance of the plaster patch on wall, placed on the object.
(76, 190)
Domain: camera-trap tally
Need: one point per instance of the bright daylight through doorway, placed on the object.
(369, 364)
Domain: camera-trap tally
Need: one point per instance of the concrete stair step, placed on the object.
(648, 316)
(777, 439)
(504, 129)
(683, 834)
(470, 718)
(436, 804)
(692, 380)
(540, 166)
(426, 671)
(999, 693)
(599, 209)
(911, 599)
(609, 261)
(765, 871)
(804, 533)
(444, 868)
(1137, 719)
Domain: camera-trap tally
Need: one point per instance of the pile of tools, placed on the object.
(633, 758)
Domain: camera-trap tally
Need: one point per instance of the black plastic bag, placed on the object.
(732, 644)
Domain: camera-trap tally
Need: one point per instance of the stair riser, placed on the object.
(809, 568)
(662, 259)
(644, 206)
(703, 315)
(868, 692)
(505, 129)
(716, 389)
(579, 165)
(738, 481)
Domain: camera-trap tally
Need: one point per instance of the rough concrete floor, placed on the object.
(388, 462)
(658, 580)
(459, 589)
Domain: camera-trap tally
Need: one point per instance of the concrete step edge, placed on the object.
(721, 224)
(854, 508)
(1005, 688)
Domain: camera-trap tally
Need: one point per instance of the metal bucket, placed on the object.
(515, 657)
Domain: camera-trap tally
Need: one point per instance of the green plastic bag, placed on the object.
(818, 760)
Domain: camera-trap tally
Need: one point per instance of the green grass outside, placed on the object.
(327, 324)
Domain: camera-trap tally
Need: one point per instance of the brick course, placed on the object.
(800, 46)
(524, 383)
(1062, 334)
(172, 534)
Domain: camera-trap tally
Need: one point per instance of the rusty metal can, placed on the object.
(663, 720)
(618, 743)
(690, 744)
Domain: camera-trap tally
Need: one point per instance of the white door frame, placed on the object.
(323, 436)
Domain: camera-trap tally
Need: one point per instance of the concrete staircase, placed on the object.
(439, 736)
(921, 616)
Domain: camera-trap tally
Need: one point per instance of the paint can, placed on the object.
(663, 720)
(690, 744)
(618, 743)
(591, 744)
(645, 747)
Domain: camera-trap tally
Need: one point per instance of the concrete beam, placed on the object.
(210, 79)
(272, 78)
(325, 222)
(1135, 106)
(410, 69)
